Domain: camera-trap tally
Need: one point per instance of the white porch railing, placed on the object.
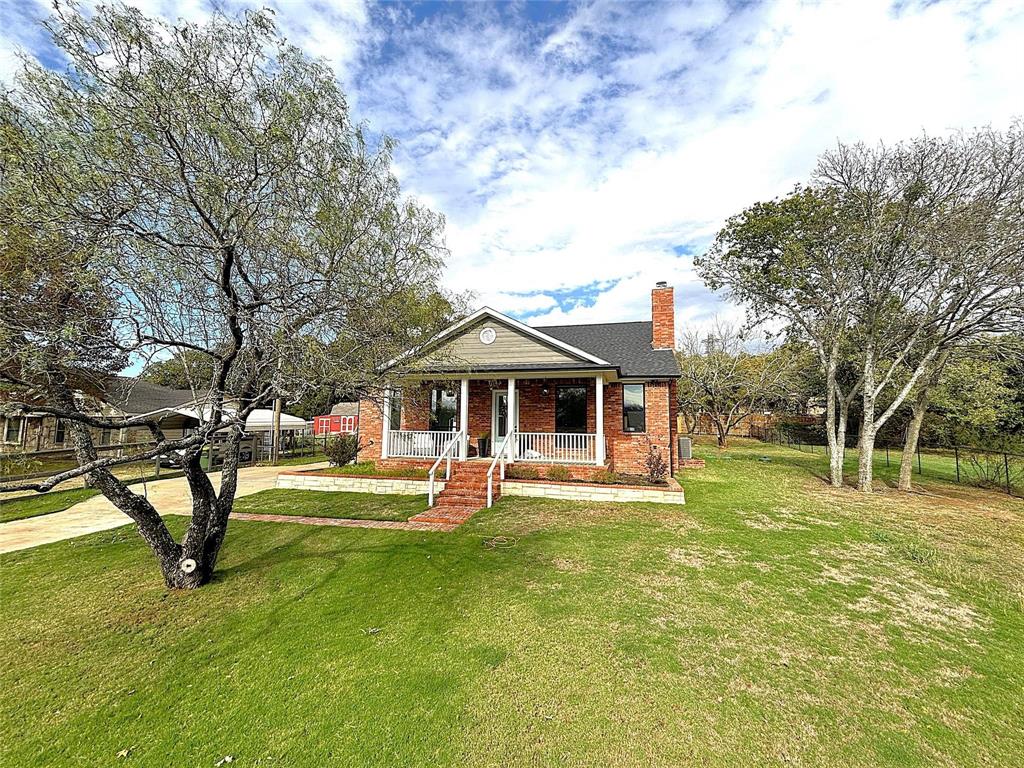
(556, 447)
(409, 444)
(502, 454)
(446, 453)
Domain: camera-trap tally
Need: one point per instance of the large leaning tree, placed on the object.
(200, 190)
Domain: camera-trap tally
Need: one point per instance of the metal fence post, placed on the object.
(956, 455)
(919, 457)
(1006, 467)
(886, 454)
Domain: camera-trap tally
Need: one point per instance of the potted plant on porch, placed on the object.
(483, 444)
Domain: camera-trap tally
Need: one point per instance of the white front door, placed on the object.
(499, 417)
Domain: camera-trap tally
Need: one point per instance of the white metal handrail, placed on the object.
(504, 448)
(446, 453)
(417, 444)
(557, 447)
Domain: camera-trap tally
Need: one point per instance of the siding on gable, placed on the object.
(509, 347)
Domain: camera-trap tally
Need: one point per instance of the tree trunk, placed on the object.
(865, 468)
(835, 427)
(919, 408)
(190, 564)
(723, 433)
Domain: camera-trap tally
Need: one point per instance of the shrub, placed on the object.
(655, 465)
(342, 449)
(559, 473)
(605, 477)
(521, 472)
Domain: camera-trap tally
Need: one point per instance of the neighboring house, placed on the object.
(122, 397)
(177, 410)
(342, 420)
(586, 395)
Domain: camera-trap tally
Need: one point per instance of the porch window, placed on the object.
(442, 409)
(58, 432)
(12, 433)
(396, 410)
(571, 409)
(634, 410)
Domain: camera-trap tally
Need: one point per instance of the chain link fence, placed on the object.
(968, 465)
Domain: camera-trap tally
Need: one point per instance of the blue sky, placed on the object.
(581, 152)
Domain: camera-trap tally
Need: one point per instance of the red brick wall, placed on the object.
(663, 318)
(627, 450)
(371, 425)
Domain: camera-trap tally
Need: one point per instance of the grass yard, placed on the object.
(986, 470)
(371, 469)
(770, 621)
(355, 506)
(42, 504)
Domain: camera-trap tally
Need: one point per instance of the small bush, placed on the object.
(521, 472)
(656, 469)
(605, 477)
(342, 449)
(559, 474)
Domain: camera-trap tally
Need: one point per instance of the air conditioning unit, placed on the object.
(685, 448)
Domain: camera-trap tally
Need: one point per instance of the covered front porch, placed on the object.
(545, 418)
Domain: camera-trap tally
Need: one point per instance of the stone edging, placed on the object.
(594, 491)
(406, 486)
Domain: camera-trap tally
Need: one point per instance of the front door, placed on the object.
(499, 417)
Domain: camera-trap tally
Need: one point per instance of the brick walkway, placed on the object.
(391, 525)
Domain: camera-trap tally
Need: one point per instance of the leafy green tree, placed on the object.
(199, 191)
(788, 260)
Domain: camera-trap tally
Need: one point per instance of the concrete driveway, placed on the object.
(170, 497)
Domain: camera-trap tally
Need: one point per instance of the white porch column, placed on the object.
(513, 424)
(385, 437)
(599, 419)
(464, 419)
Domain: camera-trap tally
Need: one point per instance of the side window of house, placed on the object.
(58, 432)
(12, 433)
(634, 416)
(396, 410)
(105, 437)
(571, 409)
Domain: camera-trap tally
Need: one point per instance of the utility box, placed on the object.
(685, 448)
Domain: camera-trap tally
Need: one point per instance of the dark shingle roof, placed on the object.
(625, 345)
(135, 396)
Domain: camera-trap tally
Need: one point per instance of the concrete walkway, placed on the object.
(170, 497)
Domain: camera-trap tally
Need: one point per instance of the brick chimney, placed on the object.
(663, 316)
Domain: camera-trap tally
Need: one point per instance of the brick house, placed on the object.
(586, 396)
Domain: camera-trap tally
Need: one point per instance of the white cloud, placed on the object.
(584, 149)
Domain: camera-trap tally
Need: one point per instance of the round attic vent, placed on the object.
(487, 336)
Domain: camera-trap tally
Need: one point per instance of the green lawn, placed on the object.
(42, 504)
(369, 468)
(976, 468)
(771, 621)
(356, 506)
